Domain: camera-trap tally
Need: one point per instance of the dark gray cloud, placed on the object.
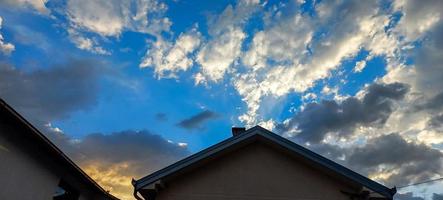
(429, 60)
(144, 150)
(437, 196)
(434, 108)
(436, 122)
(428, 67)
(436, 102)
(413, 162)
(113, 159)
(53, 92)
(197, 121)
(333, 152)
(50, 93)
(161, 117)
(318, 119)
(407, 196)
(433, 104)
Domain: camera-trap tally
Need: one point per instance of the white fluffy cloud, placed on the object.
(277, 42)
(38, 5)
(167, 59)
(418, 117)
(5, 47)
(294, 50)
(224, 46)
(86, 43)
(285, 58)
(422, 22)
(110, 18)
(359, 66)
(218, 55)
(291, 53)
(418, 17)
(425, 74)
(215, 55)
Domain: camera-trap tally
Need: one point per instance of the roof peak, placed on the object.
(274, 138)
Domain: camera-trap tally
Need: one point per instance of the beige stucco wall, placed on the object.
(28, 174)
(254, 172)
(21, 176)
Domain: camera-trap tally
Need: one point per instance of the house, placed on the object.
(31, 167)
(257, 164)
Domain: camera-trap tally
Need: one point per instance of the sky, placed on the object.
(128, 87)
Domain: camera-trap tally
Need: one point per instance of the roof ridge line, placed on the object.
(284, 142)
(245, 134)
(54, 147)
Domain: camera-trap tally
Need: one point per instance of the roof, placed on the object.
(41, 139)
(269, 136)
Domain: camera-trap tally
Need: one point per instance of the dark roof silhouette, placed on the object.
(268, 136)
(47, 146)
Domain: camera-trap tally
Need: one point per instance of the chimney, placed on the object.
(238, 130)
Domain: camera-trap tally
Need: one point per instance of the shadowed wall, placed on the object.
(255, 171)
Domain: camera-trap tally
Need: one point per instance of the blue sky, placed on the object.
(335, 76)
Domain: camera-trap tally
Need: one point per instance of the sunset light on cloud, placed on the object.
(126, 88)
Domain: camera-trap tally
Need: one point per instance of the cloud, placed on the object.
(318, 119)
(218, 55)
(276, 43)
(429, 62)
(85, 43)
(424, 75)
(418, 17)
(290, 53)
(5, 47)
(418, 117)
(31, 37)
(161, 117)
(114, 159)
(215, 55)
(38, 5)
(359, 66)
(330, 151)
(133, 146)
(407, 196)
(197, 121)
(52, 93)
(224, 47)
(435, 103)
(279, 63)
(437, 196)
(436, 122)
(110, 18)
(408, 162)
(167, 59)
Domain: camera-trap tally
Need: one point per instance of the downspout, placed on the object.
(393, 191)
(135, 193)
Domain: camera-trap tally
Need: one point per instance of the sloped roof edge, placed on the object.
(258, 130)
(62, 156)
